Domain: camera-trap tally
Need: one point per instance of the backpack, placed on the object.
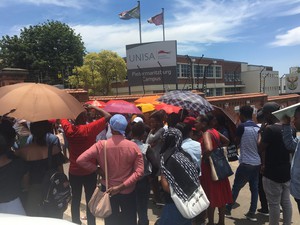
(56, 189)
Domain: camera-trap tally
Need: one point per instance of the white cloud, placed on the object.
(194, 24)
(290, 38)
(190, 24)
(61, 3)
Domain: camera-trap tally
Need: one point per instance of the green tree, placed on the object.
(99, 70)
(46, 49)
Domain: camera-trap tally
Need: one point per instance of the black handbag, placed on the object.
(220, 168)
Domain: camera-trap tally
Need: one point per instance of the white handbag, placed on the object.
(192, 207)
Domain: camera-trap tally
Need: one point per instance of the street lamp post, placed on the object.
(234, 77)
(204, 77)
(260, 78)
(191, 70)
(281, 83)
(264, 84)
(198, 74)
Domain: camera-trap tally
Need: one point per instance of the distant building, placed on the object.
(10, 76)
(261, 79)
(215, 77)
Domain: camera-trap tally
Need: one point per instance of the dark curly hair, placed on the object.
(7, 135)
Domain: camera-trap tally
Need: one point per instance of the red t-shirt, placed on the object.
(81, 138)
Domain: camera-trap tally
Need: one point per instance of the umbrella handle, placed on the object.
(11, 111)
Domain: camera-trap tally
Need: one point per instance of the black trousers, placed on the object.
(261, 193)
(89, 183)
(124, 210)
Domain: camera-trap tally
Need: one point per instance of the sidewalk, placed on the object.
(238, 218)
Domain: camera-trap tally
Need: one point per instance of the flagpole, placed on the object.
(140, 25)
(163, 14)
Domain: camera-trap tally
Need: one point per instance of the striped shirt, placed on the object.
(248, 132)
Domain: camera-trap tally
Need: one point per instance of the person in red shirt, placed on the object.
(81, 136)
(125, 166)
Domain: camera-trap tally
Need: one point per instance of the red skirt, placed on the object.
(218, 192)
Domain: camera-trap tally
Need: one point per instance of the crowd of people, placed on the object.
(159, 152)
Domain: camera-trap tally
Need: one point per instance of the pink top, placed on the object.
(124, 161)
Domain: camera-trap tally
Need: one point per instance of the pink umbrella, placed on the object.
(121, 106)
(96, 103)
(168, 108)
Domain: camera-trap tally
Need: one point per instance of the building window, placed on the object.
(231, 77)
(178, 70)
(232, 90)
(209, 71)
(198, 71)
(185, 70)
(219, 91)
(209, 92)
(218, 71)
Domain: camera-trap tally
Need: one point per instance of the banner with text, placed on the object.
(152, 63)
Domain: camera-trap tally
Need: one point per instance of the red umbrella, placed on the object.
(121, 106)
(96, 103)
(168, 108)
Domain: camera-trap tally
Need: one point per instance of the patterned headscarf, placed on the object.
(172, 138)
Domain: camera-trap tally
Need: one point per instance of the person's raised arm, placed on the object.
(102, 112)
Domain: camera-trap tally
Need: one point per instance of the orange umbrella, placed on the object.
(35, 102)
(148, 99)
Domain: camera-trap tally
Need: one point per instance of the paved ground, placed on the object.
(238, 218)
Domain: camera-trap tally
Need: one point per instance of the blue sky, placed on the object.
(261, 32)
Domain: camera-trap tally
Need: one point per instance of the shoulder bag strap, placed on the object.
(105, 166)
(214, 137)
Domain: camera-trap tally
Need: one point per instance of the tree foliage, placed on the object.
(48, 49)
(99, 70)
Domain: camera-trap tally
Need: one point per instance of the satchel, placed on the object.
(99, 203)
(220, 168)
(232, 153)
(192, 207)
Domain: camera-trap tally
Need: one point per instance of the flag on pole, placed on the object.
(157, 19)
(129, 14)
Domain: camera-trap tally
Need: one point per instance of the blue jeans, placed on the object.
(142, 197)
(171, 216)
(246, 173)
